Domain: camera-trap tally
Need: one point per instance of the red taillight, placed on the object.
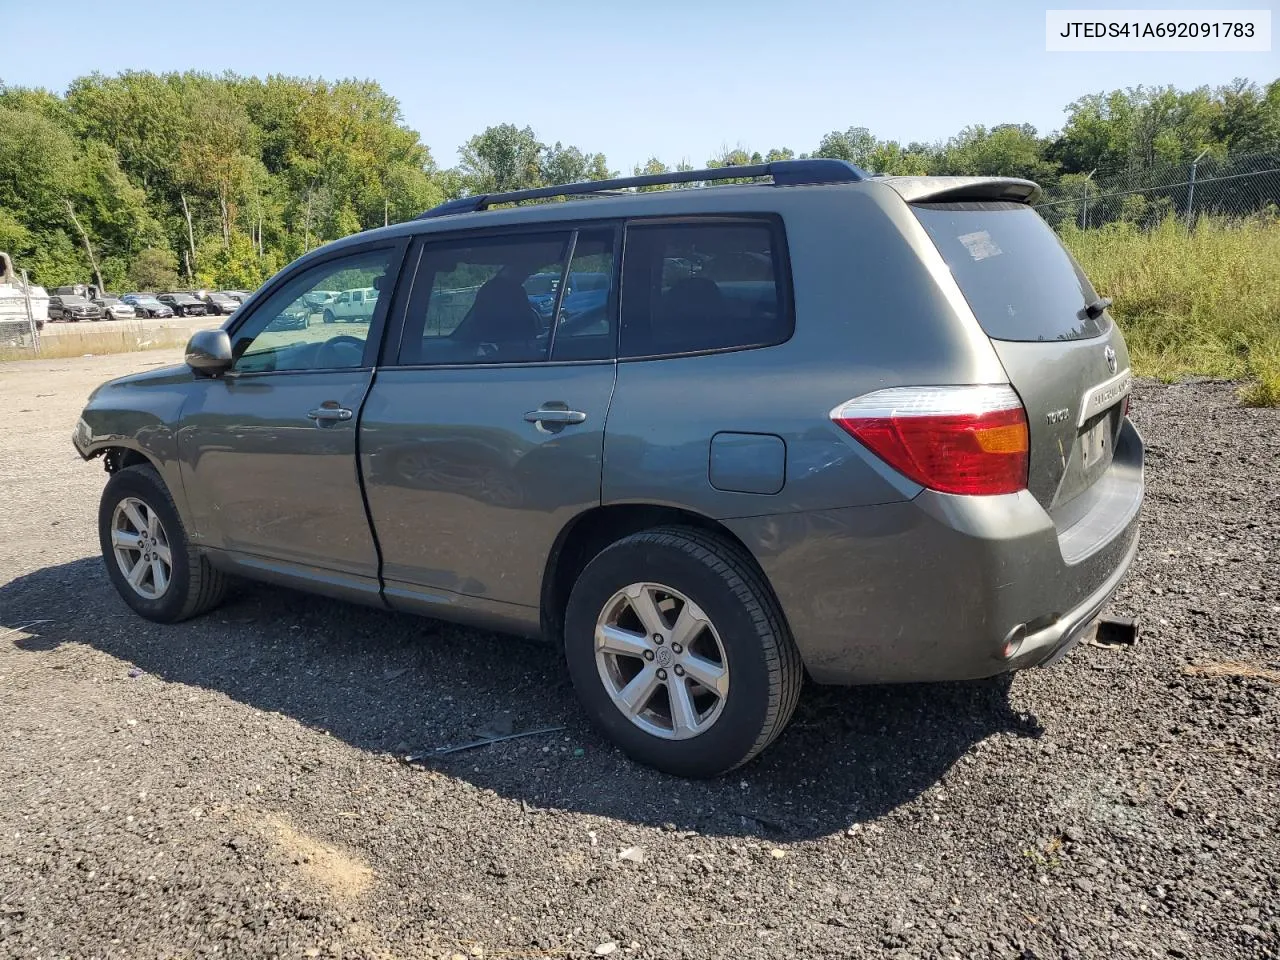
(968, 440)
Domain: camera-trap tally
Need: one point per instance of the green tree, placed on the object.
(561, 164)
(1248, 119)
(236, 265)
(651, 167)
(34, 100)
(855, 145)
(154, 268)
(1006, 150)
(502, 158)
(214, 164)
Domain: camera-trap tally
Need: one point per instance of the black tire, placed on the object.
(329, 317)
(194, 585)
(764, 665)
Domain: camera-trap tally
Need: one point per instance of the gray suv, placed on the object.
(872, 429)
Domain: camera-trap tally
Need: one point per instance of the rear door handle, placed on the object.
(329, 414)
(559, 415)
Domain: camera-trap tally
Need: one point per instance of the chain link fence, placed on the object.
(19, 326)
(1237, 186)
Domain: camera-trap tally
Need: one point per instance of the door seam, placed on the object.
(364, 496)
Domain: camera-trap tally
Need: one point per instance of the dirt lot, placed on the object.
(232, 786)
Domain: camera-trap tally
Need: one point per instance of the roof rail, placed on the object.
(785, 173)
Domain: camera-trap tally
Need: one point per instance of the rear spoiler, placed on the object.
(951, 189)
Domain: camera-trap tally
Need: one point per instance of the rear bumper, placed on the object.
(934, 588)
(1049, 644)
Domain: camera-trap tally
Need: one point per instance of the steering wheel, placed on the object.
(330, 353)
(583, 320)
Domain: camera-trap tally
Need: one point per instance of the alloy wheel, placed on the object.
(141, 548)
(661, 661)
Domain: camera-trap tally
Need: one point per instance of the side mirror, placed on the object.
(209, 352)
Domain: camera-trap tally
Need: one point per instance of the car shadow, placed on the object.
(402, 685)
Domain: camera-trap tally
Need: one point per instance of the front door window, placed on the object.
(288, 331)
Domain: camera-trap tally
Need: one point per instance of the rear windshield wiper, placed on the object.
(1094, 310)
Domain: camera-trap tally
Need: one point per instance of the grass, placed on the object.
(1201, 302)
(81, 339)
(1232, 668)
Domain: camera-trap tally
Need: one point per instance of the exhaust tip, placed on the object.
(1117, 631)
(1013, 642)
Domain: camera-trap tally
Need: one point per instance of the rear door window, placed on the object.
(1018, 278)
(492, 299)
(477, 308)
(586, 328)
(693, 287)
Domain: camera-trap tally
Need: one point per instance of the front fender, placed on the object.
(139, 414)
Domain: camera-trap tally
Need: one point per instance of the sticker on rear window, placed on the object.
(980, 245)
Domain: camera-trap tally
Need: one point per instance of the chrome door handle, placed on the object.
(555, 415)
(329, 414)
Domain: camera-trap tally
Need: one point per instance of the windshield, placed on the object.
(1019, 279)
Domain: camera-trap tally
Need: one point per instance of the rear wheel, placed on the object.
(149, 559)
(679, 652)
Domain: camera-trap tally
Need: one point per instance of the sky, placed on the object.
(679, 79)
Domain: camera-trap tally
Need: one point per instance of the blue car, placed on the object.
(587, 291)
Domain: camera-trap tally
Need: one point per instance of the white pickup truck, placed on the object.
(352, 306)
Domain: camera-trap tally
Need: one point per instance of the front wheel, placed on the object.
(329, 317)
(679, 652)
(149, 559)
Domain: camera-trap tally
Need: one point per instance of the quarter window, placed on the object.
(694, 287)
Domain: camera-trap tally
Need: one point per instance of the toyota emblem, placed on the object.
(1110, 355)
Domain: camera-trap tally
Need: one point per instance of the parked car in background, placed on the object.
(115, 309)
(86, 290)
(218, 302)
(71, 309)
(239, 296)
(352, 306)
(184, 304)
(317, 300)
(296, 316)
(147, 305)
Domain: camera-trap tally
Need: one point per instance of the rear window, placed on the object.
(1020, 281)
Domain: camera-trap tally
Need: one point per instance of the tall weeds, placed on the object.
(1201, 302)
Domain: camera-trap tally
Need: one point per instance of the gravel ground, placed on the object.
(231, 786)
